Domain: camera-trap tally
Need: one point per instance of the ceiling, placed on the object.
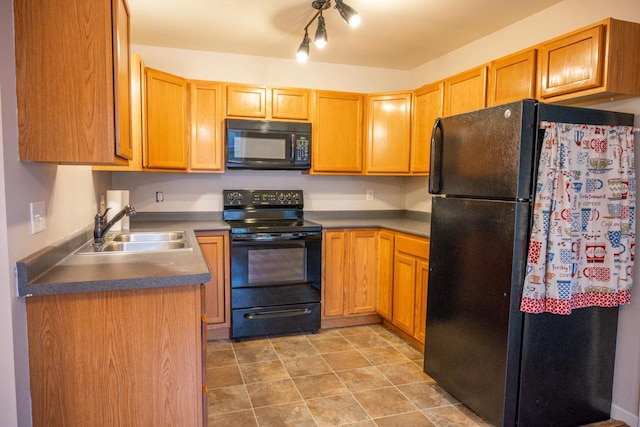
(396, 34)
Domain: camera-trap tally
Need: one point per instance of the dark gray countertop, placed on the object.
(57, 269)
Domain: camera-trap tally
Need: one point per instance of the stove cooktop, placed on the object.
(273, 226)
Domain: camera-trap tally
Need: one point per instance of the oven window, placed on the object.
(278, 265)
(246, 147)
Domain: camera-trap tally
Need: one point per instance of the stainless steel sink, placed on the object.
(139, 241)
(148, 236)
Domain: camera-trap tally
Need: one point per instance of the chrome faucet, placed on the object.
(102, 226)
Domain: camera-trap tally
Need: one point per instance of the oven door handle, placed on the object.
(267, 237)
(278, 313)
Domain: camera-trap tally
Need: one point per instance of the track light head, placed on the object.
(303, 51)
(349, 14)
(320, 39)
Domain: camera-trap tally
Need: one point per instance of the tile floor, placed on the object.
(355, 376)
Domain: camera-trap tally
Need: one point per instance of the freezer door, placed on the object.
(474, 326)
(487, 153)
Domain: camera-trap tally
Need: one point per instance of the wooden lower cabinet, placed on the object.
(215, 249)
(410, 277)
(349, 282)
(386, 243)
(117, 357)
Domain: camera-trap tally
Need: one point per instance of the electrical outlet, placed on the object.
(159, 196)
(38, 217)
(369, 194)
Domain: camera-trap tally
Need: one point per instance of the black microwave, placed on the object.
(264, 144)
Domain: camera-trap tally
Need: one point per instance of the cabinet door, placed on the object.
(384, 303)
(337, 133)
(422, 281)
(404, 271)
(572, 63)
(247, 101)
(206, 139)
(427, 107)
(290, 104)
(122, 65)
(512, 78)
(362, 270)
(333, 273)
(71, 90)
(216, 290)
(465, 92)
(389, 133)
(166, 121)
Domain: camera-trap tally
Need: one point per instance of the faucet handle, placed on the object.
(100, 216)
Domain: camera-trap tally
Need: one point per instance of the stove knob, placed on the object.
(288, 196)
(296, 198)
(281, 197)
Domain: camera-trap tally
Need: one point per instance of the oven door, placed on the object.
(275, 284)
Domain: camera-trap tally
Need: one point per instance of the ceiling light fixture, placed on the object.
(348, 14)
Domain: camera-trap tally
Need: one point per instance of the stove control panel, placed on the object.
(238, 198)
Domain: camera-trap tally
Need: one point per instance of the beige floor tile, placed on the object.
(331, 345)
(219, 345)
(346, 360)
(308, 365)
(383, 355)
(220, 358)
(402, 373)
(336, 410)
(289, 414)
(263, 353)
(361, 379)
(263, 371)
(411, 352)
(450, 416)
(411, 419)
(426, 395)
(324, 333)
(223, 376)
(354, 330)
(227, 399)
(367, 340)
(323, 385)
(272, 393)
(236, 419)
(292, 349)
(383, 402)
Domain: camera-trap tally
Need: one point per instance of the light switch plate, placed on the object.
(38, 217)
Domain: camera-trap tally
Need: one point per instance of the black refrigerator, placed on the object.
(511, 368)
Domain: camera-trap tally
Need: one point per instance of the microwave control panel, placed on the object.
(302, 150)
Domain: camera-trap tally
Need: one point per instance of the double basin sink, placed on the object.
(138, 241)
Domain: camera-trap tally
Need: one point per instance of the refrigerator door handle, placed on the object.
(435, 173)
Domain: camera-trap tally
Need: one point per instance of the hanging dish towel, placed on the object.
(581, 250)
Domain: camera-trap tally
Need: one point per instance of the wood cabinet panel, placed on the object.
(333, 273)
(117, 357)
(404, 272)
(165, 121)
(384, 303)
(362, 271)
(206, 126)
(422, 288)
(388, 133)
(572, 63)
(465, 92)
(247, 101)
(512, 78)
(428, 105)
(292, 104)
(215, 249)
(337, 133)
(72, 83)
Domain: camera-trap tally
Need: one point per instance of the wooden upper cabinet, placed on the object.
(428, 105)
(597, 62)
(165, 121)
(247, 101)
(512, 78)
(72, 84)
(206, 126)
(290, 104)
(337, 133)
(388, 133)
(466, 91)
